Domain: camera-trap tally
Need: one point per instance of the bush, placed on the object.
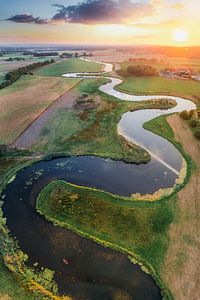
(197, 133)
(185, 115)
(193, 123)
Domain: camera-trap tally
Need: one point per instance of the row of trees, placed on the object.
(16, 74)
(143, 59)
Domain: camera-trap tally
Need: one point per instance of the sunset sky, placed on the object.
(104, 22)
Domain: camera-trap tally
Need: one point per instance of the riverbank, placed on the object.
(10, 287)
(23, 282)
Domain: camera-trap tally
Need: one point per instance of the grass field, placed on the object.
(70, 65)
(7, 66)
(24, 100)
(91, 132)
(160, 85)
(138, 227)
(181, 269)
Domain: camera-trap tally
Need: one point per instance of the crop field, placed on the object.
(24, 100)
(69, 65)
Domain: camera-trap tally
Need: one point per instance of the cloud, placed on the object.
(27, 18)
(102, 11)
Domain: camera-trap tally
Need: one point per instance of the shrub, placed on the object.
(193, 123)
(197, 133)
(193, 113)
(185, 115)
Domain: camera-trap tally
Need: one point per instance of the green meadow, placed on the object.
(67, 66)
(159, 85)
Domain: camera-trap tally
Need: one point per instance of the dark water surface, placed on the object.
(94, 272)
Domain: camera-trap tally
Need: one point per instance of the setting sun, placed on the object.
(180, 36)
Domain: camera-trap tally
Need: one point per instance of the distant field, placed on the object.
(159, 85)
(24, 100)
(70, 65)
(7, 66)
(168, 63)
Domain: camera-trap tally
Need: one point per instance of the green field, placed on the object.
(139, 227)
(87, 131)
(7, 66)
(159, 85)
(70, 65)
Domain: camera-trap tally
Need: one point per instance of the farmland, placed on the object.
(23, 101)
(7, 66)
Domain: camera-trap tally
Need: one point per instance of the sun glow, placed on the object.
(180, 36)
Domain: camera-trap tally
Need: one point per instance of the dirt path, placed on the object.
(30, 135)
(181, 269)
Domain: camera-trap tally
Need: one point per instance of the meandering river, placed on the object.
(94, 272)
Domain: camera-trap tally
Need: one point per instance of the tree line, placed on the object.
(14, 75)
(139, 70)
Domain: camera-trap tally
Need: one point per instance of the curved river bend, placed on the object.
(94, 272)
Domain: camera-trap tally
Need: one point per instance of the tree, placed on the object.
(142, 70)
